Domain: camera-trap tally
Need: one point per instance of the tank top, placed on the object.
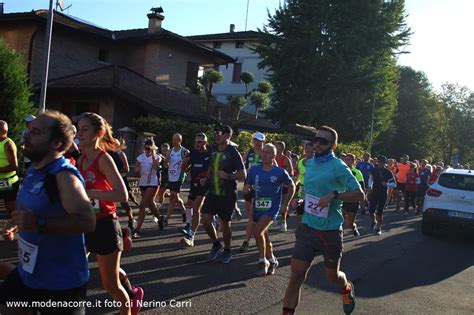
(301, 171)
(253, 159)
(175, 173)
(95, 179)
(47, 261)
(280, 159)
(11, 176)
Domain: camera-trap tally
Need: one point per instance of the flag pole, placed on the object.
(47, 50)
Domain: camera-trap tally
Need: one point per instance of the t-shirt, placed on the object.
(49, 261)
(425, 176)
(358, 175)
(148, 177)
(411, 182)
(321, 178)
(380, 175)
(199, 162)
(364, 168)
(230, 161)
(403, 170)
(267, 186)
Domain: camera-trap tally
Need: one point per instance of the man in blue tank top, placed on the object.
(266, 181)
(53, 213)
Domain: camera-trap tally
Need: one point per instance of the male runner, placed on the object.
(403, 167)
(284, 162)
(350, 208)
(364, 167)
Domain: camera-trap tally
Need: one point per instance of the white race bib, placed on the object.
(5, 185)
(95, 205)
(263, 204)
(27, 253)
(311, 206)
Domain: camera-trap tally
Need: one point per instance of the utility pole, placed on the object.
(247, 15)
(47, 50)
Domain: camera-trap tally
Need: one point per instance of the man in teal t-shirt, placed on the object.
(328, 182)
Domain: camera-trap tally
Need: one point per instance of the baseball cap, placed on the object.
(382, 159)
(258, 136)
(223, 129)
(29, 118)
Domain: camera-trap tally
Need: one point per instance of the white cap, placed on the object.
(259, 136)
(30, 118)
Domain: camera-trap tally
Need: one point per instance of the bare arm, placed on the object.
(10, 151)
(289, 195)
(240, 175)
(246, 189)
(79, 217)
(289, 166)
(119, 191)
(126, 166)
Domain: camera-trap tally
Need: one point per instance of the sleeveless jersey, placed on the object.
(253, 159)
(175, 173)
(9, 177)
(95, 179)
(48, 261)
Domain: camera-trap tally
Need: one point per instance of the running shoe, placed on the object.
(238, 214)
(378, 231)
(186, 231)
(136, 300)
(127, 239)
(187, 241)
(244, 247)
(215, 250)
(225, 257)
(262, 268)
(155, 219)
(137, 234)
(355, 232)
(272, 267)
(348, 299)
(284, 227)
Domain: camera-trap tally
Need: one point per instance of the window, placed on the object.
(103, 55)
(217, 45)
(239, 44)
(457, 181)
(236, 73)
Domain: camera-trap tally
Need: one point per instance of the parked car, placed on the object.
(449, 201)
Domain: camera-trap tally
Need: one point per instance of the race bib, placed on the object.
(311, 206)
(27, 253)
(95, 205)
(263, 204)
(5, 185)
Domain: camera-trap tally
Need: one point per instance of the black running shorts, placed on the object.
(223, 206)
(106, 238)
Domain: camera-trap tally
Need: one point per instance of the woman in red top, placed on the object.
(412, 181)
(104, 186)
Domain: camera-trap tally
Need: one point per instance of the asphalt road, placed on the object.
(399, 272)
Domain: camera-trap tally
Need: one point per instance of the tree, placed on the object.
(208, 79)
(415, 122)
(237, 103)
(329, 59)
(260, 100)
(247, 78)
(14, 90)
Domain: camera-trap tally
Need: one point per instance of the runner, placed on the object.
(364, 167)
(412, 181)
(253, 157)
(328, 182)
(392, 167)
(162, 173)
(425, 174)
(26, 161)
(198, 161)
(267, 180)
(9, 181)
(403, 168)
(350, 208)
(176, 176)
(225, 169)
(52, 215)
(146, 165)
(284, 162)
(298, 202)
(104, 187)
(381, 179)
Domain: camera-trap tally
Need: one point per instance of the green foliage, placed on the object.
(247, 78)
(237, 103)
(260, 100)
(14, 91)
(207, 81)
(293, 142)
(329, 59)
(356, 148)
(265, 87)
(165, 127)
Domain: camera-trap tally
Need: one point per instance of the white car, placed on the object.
(449, 201)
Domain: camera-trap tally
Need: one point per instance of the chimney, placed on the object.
(155, 20)
(232, 28)
(1, 7)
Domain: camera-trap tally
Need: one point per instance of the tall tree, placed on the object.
(208, 80)
(14, 90)
(329, 59)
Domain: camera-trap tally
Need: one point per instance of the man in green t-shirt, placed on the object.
(350, 208)
(328, 183)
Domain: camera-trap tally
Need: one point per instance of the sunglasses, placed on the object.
(199, 141)
(321, 141)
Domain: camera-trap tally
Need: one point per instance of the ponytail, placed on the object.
(104, 131)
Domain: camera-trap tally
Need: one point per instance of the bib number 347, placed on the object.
(311, 206)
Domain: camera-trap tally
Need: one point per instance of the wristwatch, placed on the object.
(336, 194)
(41, 223)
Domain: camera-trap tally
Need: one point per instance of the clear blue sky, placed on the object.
(441, 45)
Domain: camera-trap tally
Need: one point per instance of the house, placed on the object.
(239, 46)
(118, 74)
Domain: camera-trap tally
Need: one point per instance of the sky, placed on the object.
(441, 44)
